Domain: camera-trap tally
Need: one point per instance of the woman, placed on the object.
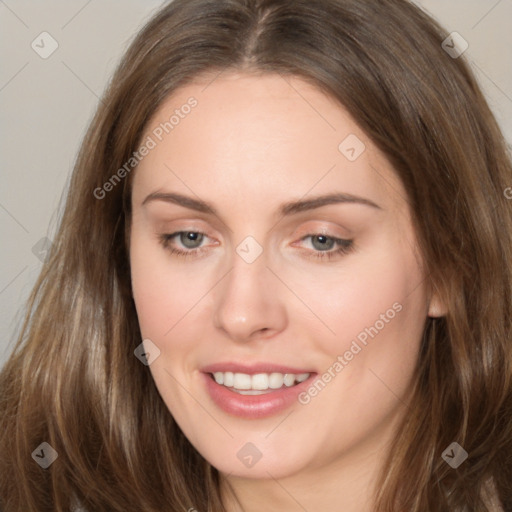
(282, 278)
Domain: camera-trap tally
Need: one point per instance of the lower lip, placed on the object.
(254, 406)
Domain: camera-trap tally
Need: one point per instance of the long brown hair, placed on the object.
(73, 380)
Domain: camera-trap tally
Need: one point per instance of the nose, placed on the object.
(248, 301)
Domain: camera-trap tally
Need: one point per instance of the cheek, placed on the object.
(163, 293)
(148, 284)
(375, 310)
(354, 298)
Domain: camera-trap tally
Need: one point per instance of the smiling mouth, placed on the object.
(259, 383)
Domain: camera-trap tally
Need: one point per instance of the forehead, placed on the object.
(260, 136)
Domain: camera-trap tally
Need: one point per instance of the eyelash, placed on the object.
(344, 246)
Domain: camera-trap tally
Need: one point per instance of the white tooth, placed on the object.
(260, 381)
(250, 392)
(242, 381)
(289, 379)
(275, 380)
(228, 379)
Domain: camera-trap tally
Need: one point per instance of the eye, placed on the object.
(190, 240)
(323, 245)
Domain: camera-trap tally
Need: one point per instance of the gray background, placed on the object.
(46, 105)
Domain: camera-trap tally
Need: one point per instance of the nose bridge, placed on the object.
(249, 300)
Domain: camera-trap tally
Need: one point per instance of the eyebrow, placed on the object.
(286, 209)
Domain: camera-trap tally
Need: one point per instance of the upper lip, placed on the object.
(252, 369)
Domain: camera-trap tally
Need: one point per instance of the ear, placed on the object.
(436, 307)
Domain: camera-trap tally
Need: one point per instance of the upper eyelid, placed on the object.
(323, 230)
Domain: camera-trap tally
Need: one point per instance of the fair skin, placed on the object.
(253, 143)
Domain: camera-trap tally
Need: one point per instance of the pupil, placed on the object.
(325, 242)
(190, 238)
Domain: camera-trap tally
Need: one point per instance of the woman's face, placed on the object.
(293, 275)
